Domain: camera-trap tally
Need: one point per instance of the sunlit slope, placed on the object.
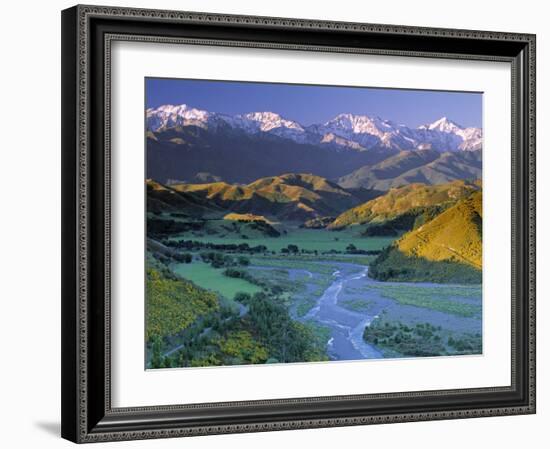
(288, 197)
(404, 199)
(454, 235)
(448, 248)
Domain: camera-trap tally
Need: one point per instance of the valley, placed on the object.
(272, 239)
(286, 292)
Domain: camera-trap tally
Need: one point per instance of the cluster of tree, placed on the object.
(466, 344)
(290, 249)
(195, 341)
(158, 228)
(392, 265)
(169, 257)
(421, 340)
(285, 339)
(266, 334)
(352, 249)
(183, 257)
(193, 245)
(220, 260)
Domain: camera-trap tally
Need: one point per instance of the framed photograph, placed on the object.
(276, 224)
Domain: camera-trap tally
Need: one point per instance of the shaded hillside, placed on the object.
(184, 153)
(425, 166)
(293, 197)
(414, 199)
(446, 249)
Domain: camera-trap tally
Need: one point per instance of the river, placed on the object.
(346, 326)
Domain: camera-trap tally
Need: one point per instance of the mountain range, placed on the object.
(184, 142)
(344, 131)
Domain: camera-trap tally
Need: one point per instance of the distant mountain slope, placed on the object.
(187, 153)
(445, 249)
(294, 197)
(399, 201)
(426, 166)
(187, 144)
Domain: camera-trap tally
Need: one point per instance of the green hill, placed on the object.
(412, 199)
(446, 249)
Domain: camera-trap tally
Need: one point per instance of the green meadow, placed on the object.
(203, 275)
(308, 239)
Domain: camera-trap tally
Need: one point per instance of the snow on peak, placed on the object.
(444, 125)
(270, 120)
(169, 116)
(344, 131)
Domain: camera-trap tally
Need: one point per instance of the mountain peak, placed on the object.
(443, 124)
(360, 124)
(269, 120)
(169, 108)
(170, 115)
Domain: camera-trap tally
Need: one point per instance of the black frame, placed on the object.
(87, 32)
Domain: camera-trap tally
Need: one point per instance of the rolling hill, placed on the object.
(412, 199)
(453, 235)
(161, 198)
(289, 197)
(406, 167)
(445, 249)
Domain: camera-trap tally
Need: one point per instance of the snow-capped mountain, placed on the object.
(344, 132)
(170, 116)
(471, 138)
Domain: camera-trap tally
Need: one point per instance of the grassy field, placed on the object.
(308, 239)
(213, 279)
(440, 299)
(292, 262)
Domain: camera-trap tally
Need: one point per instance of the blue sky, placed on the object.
(317, 104)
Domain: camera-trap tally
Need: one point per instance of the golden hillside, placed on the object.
(454, 235)
(245, 217)
(402, 200)
(289, 196)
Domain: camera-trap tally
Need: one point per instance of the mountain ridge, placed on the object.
(406, 167)
(291, 196)
(364, 130)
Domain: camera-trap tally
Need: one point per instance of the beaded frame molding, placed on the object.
(87, 34)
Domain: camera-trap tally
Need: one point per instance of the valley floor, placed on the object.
(328, 294)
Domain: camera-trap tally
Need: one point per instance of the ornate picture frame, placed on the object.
(87, 35)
